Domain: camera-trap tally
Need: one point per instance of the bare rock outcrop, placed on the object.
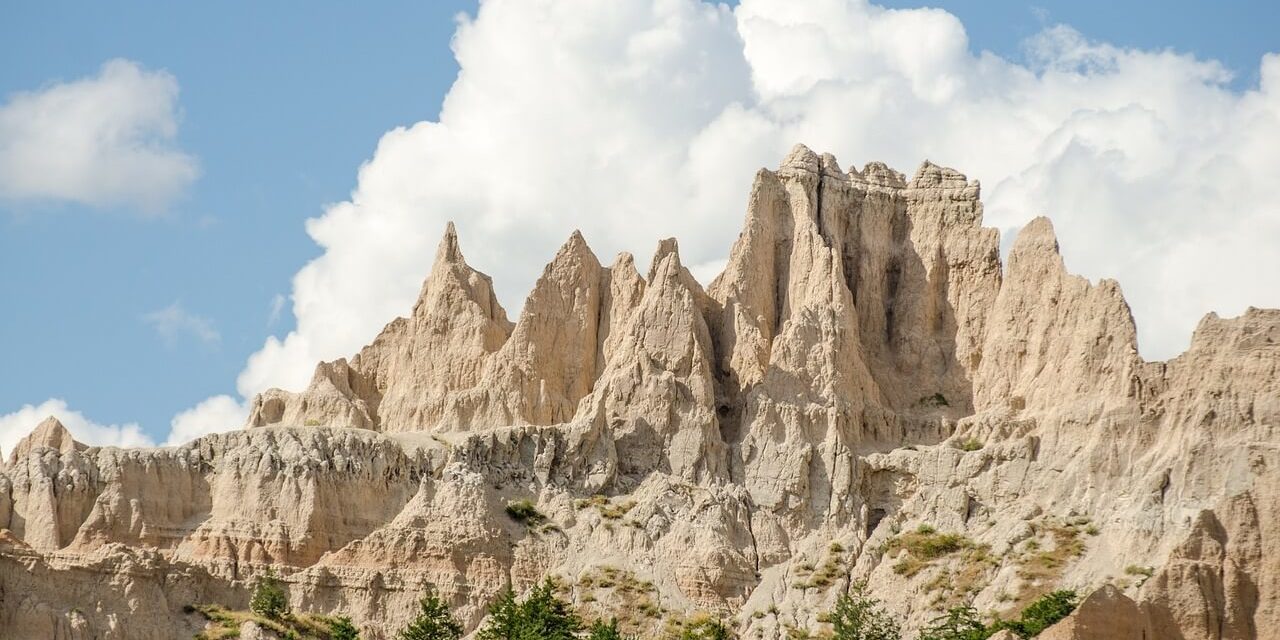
(865, 393)
(50, 434)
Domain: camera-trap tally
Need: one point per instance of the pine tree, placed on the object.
(959, 623)
(434, 621)
(858, 616)
(549, 617)
(601, 631)
(504, 621)
(269, 599)
(342, 629)
(541, 616)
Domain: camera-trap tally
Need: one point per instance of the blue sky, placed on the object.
(279, 105)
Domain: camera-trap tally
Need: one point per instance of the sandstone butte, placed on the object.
(864, 366)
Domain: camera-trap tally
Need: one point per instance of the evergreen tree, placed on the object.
(342, 629)
(504, 622)
(958, 623)
(549, 617)
(433, 622)
(269, 599)
(601, 631)
(541, 616)
(858, 616)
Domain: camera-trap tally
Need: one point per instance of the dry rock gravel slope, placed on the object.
(865, 392)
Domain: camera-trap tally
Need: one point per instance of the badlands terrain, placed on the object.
(866, 377)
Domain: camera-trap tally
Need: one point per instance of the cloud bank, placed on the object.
(635, 120)
(638, 120)
(105, 140)
(214, 415)
(15, 426)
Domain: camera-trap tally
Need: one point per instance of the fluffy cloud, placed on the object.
(15, 426)
(174, 321)
(634, 120)
(214, 415)
(105, 140)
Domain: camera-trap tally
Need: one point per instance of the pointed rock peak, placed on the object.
(449, 252)
(626, 262)
(49, 433)
(330, 372)
(1036, 236)
(802, 158)
(667, 248)
(577, 246)
(51, 429)
(51, 423)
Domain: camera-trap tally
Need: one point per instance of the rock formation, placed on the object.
(864, 374)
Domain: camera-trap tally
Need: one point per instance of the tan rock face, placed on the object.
(1054, 338)
(1106, 614)
(864, 375)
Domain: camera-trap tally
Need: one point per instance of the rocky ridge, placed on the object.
(864, 373)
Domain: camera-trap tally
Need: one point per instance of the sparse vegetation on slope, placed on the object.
(525, 512)
(225, 624)
(923, 546)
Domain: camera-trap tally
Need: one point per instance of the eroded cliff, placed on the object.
(864, 371)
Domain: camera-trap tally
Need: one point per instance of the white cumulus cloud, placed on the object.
(104, 140)
(635, 120)
(214, 415)
(15, 426)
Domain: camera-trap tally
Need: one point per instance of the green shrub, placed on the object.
(1040, 615)
(433, 622)
(1045, 611)
(958, 623)
(541, 616)
(342, 629)
(525, 512)
(269, 599)
(602, 631)
(706, 629)
(858, 616)
(970, 444)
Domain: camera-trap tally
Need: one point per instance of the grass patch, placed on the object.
(607, 592)
(926, 544)
(524, 512)
(225, 623)
(826, 573)
(970, 444)
(1040, 564)
(608, 509)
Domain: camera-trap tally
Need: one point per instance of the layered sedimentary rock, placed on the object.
(866, 372)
